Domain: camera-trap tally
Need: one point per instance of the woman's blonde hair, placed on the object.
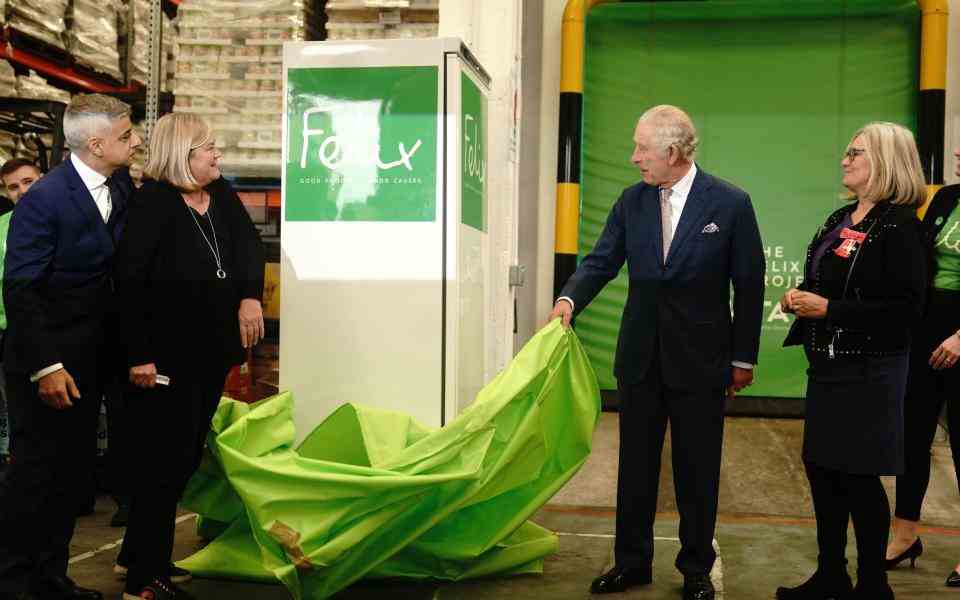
(895, 172)
(173, 138)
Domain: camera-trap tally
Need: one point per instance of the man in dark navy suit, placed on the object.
(685, 236)
(58, 293)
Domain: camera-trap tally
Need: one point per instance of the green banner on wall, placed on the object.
(473, 165)
(362, 144)
(776, 89)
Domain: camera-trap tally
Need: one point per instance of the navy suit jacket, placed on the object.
(679, 311)
(57, 285)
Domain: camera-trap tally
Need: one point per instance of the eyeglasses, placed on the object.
(852, 153)
(208, 147)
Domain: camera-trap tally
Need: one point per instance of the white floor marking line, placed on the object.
(112, 545)
(716, 575)
(610, 536)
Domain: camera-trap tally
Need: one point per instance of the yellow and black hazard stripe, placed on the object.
(932, 100)
(572, 42)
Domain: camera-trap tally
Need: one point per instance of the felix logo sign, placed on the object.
(334, 152)
(474, 164)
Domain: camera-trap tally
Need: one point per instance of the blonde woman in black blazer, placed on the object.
(189, 273)
(862, 292)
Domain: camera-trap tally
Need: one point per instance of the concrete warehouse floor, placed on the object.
(765, 534)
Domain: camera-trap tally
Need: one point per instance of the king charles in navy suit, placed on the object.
(58, 293)
(686, 236)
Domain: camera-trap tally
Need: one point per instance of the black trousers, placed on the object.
(696, 430)
(47, 481)
(121, 438)
(173, 423)
(927, 391)
(838, 497)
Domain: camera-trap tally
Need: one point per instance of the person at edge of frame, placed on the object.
(17, 175)
(933, 375)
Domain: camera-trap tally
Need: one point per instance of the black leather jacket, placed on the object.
(875, 295)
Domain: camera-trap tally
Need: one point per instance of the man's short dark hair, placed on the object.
(15, 163)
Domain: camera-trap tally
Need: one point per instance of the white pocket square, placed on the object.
(711, 228)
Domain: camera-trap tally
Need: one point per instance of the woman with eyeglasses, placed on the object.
(189, 278)
(934, 375)
(863, 291)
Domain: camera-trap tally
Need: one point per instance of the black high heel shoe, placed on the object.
(913, 553)
(953, 580)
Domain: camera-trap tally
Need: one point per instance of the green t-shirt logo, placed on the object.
(947, 252)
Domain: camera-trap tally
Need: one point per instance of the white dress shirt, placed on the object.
(97, 186)
(678, 199)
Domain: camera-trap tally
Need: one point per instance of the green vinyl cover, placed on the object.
(373, 494)
(776, 90)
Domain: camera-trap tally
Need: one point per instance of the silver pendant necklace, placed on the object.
(214, 247)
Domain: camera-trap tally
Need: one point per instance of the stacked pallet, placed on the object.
(42, 20)
(8, 80)
(36, 87)
(92, 36)
(137, 27)
(228, 70)
(382, 19)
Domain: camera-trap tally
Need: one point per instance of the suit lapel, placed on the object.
(81, 198)
(690, 216)
(651, 206)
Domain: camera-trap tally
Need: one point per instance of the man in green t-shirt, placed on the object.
(17, 175)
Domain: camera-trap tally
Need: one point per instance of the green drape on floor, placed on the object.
(372, 493)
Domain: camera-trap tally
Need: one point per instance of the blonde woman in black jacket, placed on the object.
(189, 275)
(863, 291)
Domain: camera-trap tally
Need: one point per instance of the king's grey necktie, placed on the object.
(666, 220)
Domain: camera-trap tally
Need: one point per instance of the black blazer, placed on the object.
(57, 285)
(175, 311)
(875, 295)
(679, 310)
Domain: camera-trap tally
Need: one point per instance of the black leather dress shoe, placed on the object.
(121, 517)
(17, 596)
(698, 587)
(618, 579)
(63, 588)
(824, 584)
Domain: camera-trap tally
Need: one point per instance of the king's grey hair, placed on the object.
(672, 127)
